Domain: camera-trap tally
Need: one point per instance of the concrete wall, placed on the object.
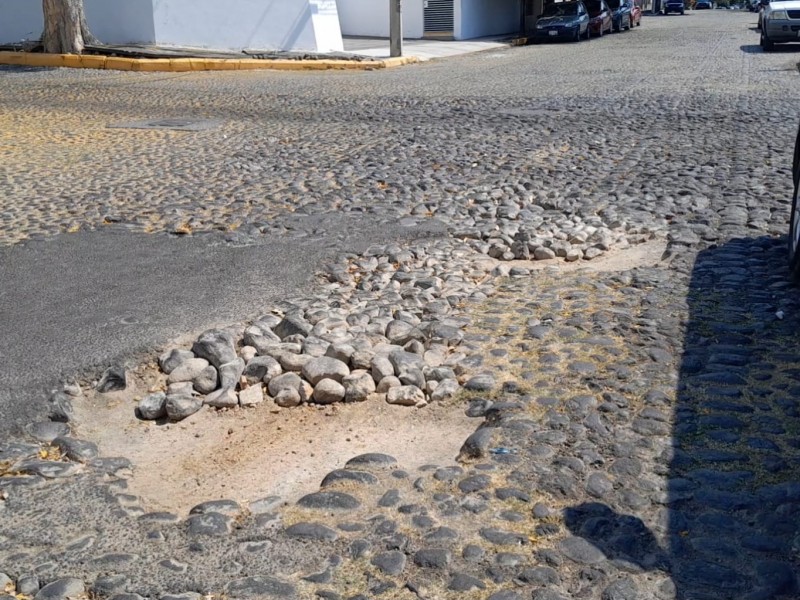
(371, 18)
(478, 18)
(233, 25)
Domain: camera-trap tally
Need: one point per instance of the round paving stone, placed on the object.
(329, 501)
(61, 589)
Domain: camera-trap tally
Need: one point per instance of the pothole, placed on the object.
(247, 454)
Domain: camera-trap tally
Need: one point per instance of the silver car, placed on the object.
(780, 23)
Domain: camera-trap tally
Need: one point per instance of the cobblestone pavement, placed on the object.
(640, 435)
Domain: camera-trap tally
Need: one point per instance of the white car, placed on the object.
(780, 23)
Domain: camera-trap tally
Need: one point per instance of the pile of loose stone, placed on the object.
(388, 326)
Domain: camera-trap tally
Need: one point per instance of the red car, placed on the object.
(600, 20)
(636, 13)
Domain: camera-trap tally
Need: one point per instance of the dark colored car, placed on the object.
(621, 14)
(703, 4)
(674, 6)
(562, 21)
(600, 21)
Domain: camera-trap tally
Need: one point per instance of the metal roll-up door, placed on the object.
(439, 17)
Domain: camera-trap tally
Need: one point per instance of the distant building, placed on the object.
(448, 19)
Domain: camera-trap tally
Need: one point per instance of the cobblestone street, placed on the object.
(579, 246)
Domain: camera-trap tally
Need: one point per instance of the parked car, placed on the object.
(636, 13)
(621, 14)
(600, 21)
(562, 21)
(780, 23)
(762, 5)
(794, 219)
(703, 5)
(674, 6)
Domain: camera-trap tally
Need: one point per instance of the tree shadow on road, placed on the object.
(733, 475)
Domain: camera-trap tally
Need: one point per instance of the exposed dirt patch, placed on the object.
(247, 454)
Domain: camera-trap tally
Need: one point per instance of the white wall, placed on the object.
(310, 25)
(478, 18)
(370, 18)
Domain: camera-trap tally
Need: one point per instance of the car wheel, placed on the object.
(766, 43)
(600, 32)
(577, 36)
(681, 11)
(794, 222)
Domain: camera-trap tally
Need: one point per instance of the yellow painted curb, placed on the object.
(181, 65)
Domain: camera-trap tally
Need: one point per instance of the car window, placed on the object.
(614, 4)
(594, 6)
(564, 9)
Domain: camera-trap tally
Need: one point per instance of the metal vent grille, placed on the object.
(439, 16)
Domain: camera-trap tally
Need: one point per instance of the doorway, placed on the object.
(439, 18)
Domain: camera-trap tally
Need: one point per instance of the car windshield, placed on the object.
(563, 9)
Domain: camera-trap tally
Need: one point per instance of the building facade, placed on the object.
(446, 19)
(306, 25)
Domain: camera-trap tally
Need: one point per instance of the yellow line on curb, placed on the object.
(180, 65)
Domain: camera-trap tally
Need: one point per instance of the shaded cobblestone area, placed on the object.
(638, 436)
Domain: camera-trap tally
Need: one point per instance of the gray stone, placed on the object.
(406, 395)
(381, 368)
(265, 505)
(287, 381)
(259, 587)
(400, 332)
(230, 374)
(599, 485)
(293, 324)
(328, 391)
(581, 551)
(348, 475)
(358, 385)
(340, 351)
(77, 450)
(252, 395)
(114, 379)
(222, 398)
(445, 390)
(208, 524)
(48, 469)
(188, 370)
(390, 563)
(216, 346)
(61, 589)
(153, 406)
(229, 508)
(47, 431)
(621, 589)
(484, 382)
(325, 367)
(288, 398)
(329, 501)
(312, 531)
(461, 582)
(388, 383)
(477, 445)
(207, 381)
(171, 359)
(179, 407)
(371, 460)
(404, 361)
(109, 585)
(294, 363)
(262, 368)
(433, 558)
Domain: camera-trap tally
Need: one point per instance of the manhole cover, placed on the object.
(175, 124)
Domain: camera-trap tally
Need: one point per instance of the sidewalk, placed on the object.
(424, 49)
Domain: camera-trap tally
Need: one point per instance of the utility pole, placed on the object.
(395, 28)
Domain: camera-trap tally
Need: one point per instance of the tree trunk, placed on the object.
(65, 29)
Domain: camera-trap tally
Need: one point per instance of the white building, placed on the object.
(310, 25)
(448, 19)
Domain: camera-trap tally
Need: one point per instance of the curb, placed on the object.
(181, 65)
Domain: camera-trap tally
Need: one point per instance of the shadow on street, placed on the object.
(733, 478)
